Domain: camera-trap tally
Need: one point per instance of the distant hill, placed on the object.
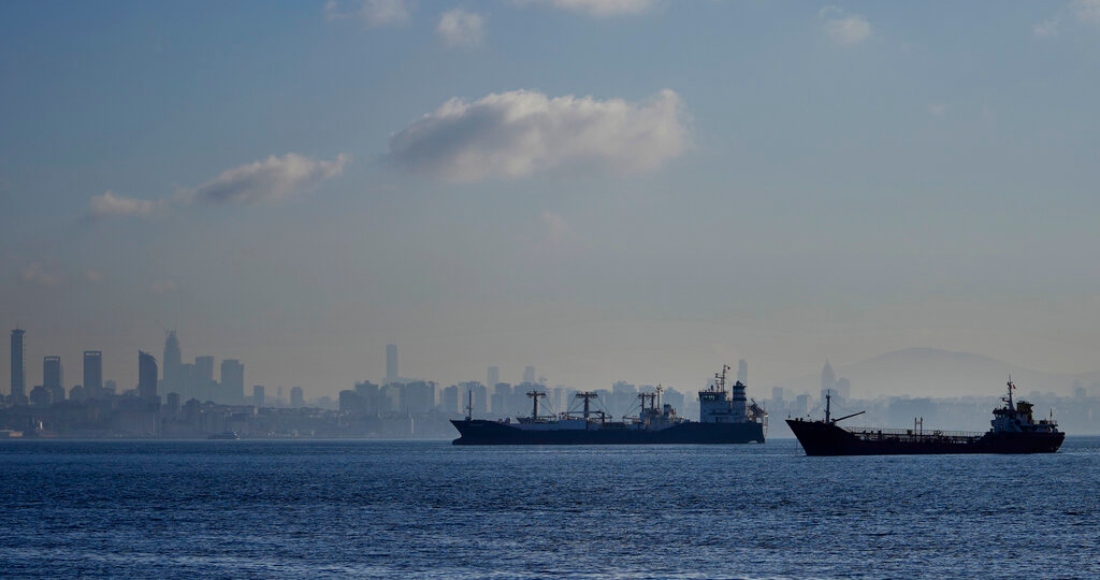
(932, 372)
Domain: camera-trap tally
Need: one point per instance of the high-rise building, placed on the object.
(297, 398)
(18, 368)
(93, 374)
(173, 358)
(528, 374)
(233, 380)
(147, 375)
(53, 377)
(492, 377)
(258, 395)
(204, 368)
(743, 371)
(391, 363)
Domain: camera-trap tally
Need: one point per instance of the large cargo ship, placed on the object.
(725, 416)
(1014, 430)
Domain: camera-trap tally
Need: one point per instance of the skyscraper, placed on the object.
(204, 368)
(391, 363)
(93, 374)
(53, 377)
(18, 368)
(51, 372)
(528, 374)
(258, 395)
(173, 358)
(147, 375)
(233, 380)
(297, 398)
(492, 377)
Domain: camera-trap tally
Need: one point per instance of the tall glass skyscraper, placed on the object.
(18, 366)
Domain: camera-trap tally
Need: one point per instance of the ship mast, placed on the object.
(470, 405)
(535, 400)
(828, 406)
(587, 396)
(722, 378)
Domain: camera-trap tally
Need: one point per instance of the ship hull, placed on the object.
(483, 432)
(820, 438)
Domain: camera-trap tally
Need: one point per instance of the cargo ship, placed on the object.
(1014, 430)
(725, 417)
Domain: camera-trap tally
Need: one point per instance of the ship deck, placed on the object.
(871, 434)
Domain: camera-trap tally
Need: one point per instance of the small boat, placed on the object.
(1014, 430)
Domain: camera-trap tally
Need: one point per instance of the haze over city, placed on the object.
(629, 190)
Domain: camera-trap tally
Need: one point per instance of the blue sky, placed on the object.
(604, 190)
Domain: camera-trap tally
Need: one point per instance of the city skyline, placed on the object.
(678, 186)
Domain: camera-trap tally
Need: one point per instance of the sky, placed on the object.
(606, 190)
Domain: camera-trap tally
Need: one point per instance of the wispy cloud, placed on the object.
(844, 29)
(35, 273)
(111, 205)
(1085, 12)
(459, 28)
(373, 13)
(272, 179)
(597, 8)
(520, 133)
(557, 229)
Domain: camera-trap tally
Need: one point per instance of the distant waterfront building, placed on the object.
(147, 375)
(232, 376)
(528, 374)
(18, 367)
(93, 374)
(173, 358)
(492, 377)
(53, 377)
(418, 397)
(391, 363)
(297, 398)
(258, 395)
(449, 399)
(204, 368)
(777, 394)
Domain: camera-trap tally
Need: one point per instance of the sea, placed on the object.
(427, 509)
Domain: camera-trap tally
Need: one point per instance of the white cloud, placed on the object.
(937, 109)
(34, 273)
(111, 205)
(1048, 29)
(844, 29)
(272, 179)
(519, 133)
(1087, 11)
(460, 28)
(557, 230)
(597, 8)
(374, 13)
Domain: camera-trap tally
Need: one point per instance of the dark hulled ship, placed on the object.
(1014, 430)
(725, 416)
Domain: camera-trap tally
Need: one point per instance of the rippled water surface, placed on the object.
(302, 509)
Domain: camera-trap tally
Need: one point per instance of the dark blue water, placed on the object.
(426, 509)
